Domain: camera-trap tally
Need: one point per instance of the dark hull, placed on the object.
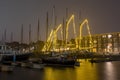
(54, 62)
(17, 57)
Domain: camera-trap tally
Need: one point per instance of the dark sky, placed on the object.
(103, 15)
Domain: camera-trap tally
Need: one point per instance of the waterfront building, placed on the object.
(102, 43)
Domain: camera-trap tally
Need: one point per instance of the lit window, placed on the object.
(95, 41)
(109, 36)
(104, 36)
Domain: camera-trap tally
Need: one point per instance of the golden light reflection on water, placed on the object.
(110, 70)
(85, 71)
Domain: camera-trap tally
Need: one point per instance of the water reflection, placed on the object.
(59, 73)
(110, 73)
(84, 72)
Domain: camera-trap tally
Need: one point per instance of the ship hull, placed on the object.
(55, 62)
(15, 57)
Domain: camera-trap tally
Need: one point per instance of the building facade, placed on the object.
(102, 43)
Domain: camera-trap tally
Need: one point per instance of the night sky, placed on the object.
(103, 15)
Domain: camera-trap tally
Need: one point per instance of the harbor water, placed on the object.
(86, 71)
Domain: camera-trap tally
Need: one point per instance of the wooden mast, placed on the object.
(5, 35)
(46, 29)
(21, 33)
(11, 36)
(65, 27)
(38, 31)
(29, 33)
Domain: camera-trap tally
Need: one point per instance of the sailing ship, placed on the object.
(58, 59)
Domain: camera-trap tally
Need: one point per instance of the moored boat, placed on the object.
(60, 60)
(8, 54)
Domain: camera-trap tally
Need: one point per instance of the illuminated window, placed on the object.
(104, 36)
(109, 36)
(95, 41)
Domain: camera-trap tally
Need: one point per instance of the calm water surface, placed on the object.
(86, 71)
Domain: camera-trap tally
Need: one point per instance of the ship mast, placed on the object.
(54, 17)
(63, 30)
(65, 27)
(46, 29)
(38, 31)
(21, 33)
(79, 17)
(29, 33)
(54, 26)
(5, 35)
(11, 36)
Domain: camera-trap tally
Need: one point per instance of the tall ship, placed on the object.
(57, 59)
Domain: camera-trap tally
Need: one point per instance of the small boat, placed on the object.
(98, 60)
(6, 68)
(60, 60)
(37, 66)
(32, 65)
(7, 54)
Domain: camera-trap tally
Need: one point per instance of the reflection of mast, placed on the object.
(22, 33)
(38, 31)
(29, 33)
